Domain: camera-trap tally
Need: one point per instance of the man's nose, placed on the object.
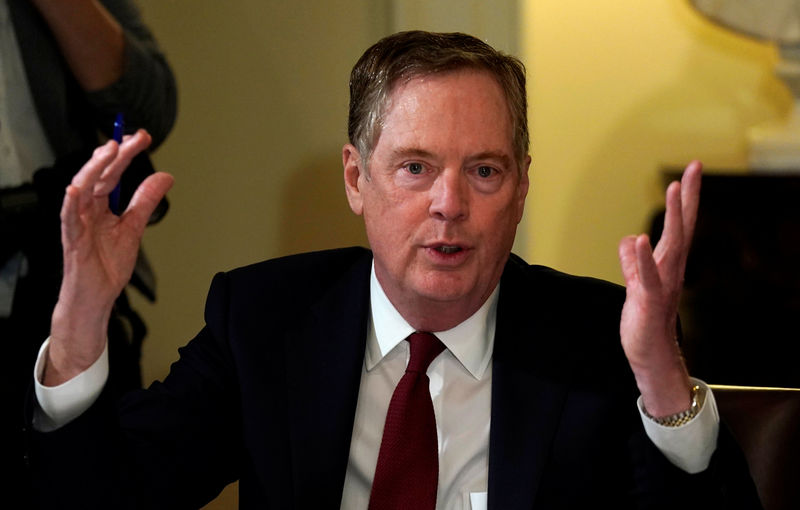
(450, 196)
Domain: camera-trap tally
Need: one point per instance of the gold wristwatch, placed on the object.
(683, 417)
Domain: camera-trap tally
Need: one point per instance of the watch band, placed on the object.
(683, 417)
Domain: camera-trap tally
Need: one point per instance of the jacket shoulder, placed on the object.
(286, 283)
(302, 267)
(562, 288)
(559, 316)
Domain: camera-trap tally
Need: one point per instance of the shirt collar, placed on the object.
(471, 342)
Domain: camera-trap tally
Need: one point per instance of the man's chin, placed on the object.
(445, 288)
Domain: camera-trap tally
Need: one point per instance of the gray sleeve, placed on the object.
(146, 92)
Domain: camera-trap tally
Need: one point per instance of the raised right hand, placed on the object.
(100, 251)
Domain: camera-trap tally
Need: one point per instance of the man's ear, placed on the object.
(522, 187)
(351, 161)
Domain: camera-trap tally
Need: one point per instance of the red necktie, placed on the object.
(407, 474)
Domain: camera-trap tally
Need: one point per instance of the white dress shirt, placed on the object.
(460, 384)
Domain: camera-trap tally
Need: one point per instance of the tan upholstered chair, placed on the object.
(766, 423)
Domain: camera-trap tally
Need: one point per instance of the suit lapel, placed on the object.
(527, 391)
(324, 360)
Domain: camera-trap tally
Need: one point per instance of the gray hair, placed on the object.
(401, 57)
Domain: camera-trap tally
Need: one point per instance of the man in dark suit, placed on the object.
(288, 386)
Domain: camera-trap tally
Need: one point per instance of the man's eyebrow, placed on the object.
(406, 152)
(502, 157)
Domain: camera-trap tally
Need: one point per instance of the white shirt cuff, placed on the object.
(59, 405)
(690, 445)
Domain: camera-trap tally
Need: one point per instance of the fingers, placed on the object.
(97, 178)
(670, 245)
(102, 172)
(71, 226)
(639, 268)
(627, 259)
(662, 269)
(145, 200)
(638, 263)
(79, 194)
(646, 264)
(690, 199)
(681, 214)
(88, 176)
(128, 149)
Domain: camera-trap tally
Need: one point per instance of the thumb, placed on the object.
(146, 199)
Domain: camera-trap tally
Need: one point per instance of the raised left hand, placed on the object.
(654, 279)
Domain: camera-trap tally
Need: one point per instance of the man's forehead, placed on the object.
(403, 83)
(444, 105)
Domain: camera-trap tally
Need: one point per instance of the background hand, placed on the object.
(654, 279)
(100, 251)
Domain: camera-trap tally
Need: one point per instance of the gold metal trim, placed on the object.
(749, 388)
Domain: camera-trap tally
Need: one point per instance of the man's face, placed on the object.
(442, 197)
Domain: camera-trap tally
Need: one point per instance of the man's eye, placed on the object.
(415, 168)
(485, 171)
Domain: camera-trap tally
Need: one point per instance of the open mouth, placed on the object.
(448, 249)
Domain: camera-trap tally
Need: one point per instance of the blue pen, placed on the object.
(113, 199)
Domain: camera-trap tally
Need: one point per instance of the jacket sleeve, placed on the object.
(175, 445)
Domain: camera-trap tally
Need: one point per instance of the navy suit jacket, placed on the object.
(266, 394)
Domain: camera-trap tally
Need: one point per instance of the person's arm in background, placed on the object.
(90, 39)
(117, 62)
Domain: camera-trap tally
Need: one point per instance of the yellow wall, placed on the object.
(256, 148)
(618, 90)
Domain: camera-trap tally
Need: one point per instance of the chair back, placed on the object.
(766, 424)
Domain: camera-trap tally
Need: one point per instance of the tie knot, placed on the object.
(424, 348)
